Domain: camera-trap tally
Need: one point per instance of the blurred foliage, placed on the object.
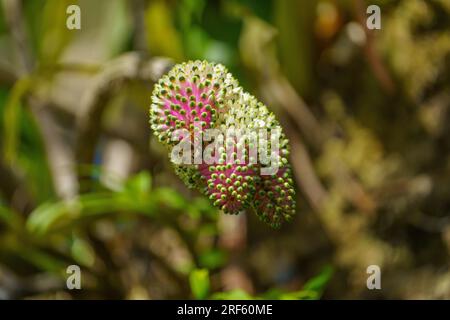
(367, 114)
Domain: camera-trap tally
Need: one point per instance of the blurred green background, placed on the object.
(83, 181)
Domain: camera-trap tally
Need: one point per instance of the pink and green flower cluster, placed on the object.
(197, 96)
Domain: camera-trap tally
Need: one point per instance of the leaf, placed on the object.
(296, 17)
(82, 252)
(273, 294)
(10, 218)
(237, 294)
(171, 198)
(41, 259)
(136, 197)
(162, 37)
(300, 295)
(11, 125)
(53, 38)
(197, 42)
(50, 216)
(312, 290)
(33, 161)
(43, 217)
(213, 259)
(199, 281)
(139, 184)
(191, 10)
(319, 282)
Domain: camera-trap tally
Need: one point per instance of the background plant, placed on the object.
(82, 180)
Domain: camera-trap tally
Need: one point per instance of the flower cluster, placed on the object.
(198, 96)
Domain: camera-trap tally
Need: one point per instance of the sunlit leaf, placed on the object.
(54, 36)
(82, 252)
(162, 37)
(300, 295)
(199, 281)
(139, 184)
(171, 198)
(237, 294)
(318, 283)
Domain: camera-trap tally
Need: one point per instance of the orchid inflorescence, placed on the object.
(198, 96)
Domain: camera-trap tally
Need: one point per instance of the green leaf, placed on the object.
(237, 294)
(82, 252)
(135, 198)
(139, 184)
(273, 294)
(50, 216)
(10, 218)
(199, 281)
(162, 36)
(319, 282)
(11, 126)
(300, 295)
(41, 259)
(312, 290)
(53, 38)
(171, 198)
(213, 259)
